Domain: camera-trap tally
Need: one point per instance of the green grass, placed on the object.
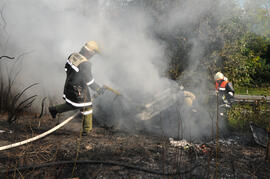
(241, 114)
(253, 91)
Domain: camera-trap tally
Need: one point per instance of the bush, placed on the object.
(241, 114)
(12, 101)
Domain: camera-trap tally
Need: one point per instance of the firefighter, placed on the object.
(224, 89)
(225, 96)
(76, 91)
(189, 97)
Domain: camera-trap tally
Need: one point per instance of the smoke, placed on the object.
(134, 61)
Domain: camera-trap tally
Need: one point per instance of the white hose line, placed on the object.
(39, 136)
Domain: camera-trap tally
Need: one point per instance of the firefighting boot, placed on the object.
(60, 108)
(87, 124)
(53, 111)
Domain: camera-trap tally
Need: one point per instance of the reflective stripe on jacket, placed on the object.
(221, 85)
(225, 91)
(78, 71)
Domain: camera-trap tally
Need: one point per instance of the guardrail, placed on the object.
(251, 98)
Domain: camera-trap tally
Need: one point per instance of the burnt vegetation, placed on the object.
(109, 152)
(13, 102)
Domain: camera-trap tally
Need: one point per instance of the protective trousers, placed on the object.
(87, 119)
(86, 114)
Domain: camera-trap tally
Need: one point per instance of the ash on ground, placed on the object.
(108, 153)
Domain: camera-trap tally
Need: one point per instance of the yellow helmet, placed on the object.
(92, 46)
(218, 76)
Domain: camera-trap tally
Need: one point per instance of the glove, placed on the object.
(101, 90)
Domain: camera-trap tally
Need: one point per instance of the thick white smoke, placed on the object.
(133, 61)
(52, 30)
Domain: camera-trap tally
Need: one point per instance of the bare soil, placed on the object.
(112, 153)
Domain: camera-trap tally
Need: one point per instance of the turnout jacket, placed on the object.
(225, 90)
(78, 79)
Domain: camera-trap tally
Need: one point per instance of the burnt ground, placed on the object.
(111, 153)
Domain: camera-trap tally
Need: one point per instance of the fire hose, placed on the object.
(112, 90)
(49, 131)
(39, 136)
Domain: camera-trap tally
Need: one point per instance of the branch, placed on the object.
(4, 56)
(42, 107)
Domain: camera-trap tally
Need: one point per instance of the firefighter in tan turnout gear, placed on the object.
(78, 79)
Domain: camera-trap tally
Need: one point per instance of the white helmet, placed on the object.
(218, 76)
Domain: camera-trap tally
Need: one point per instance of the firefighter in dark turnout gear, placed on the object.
(78, 79)
(225, 96)
(224, 89)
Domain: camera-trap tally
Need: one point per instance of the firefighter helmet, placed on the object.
(92, 46)
(89, 49)
(218, 76)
